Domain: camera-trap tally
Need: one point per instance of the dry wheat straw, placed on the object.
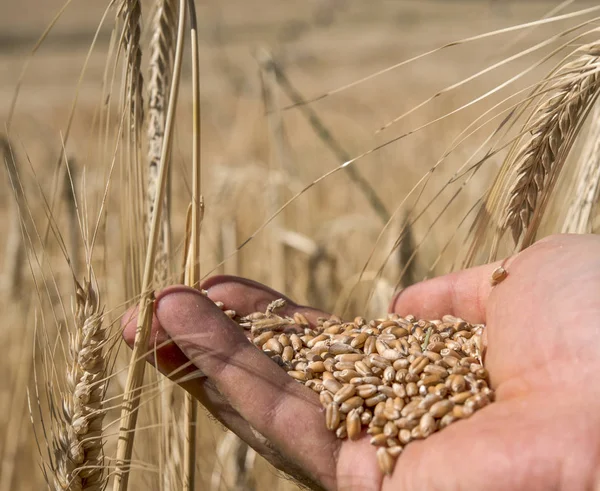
(192, 270)
(78, 454)
(521, 191)
(586, 193)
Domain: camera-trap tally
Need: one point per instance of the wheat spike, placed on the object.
(162, 46)
(78, 455)
(553, 127)
(131, 13)
(587, 186)
(521, 191)
(162, 52)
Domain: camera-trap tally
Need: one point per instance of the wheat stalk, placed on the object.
(192, 270)
(78, 456)
(587, 187)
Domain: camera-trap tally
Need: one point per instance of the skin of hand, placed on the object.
(543, 356)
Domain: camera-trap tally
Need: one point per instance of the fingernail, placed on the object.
(255, 294)
(217, 280)
(174, 290)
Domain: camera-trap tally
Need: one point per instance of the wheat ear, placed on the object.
(162, 46)
(161, 49)
(521, 191)
(131, 13)
(533, 165)
(79, 458)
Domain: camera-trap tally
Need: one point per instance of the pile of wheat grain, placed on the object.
(400, 377)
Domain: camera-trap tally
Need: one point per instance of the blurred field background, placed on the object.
(252, 163)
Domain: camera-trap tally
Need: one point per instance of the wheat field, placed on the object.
(329, 169)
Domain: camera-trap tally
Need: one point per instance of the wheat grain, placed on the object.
(498, 276)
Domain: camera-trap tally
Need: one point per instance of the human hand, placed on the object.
(543, 431)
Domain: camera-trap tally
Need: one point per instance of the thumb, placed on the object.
(462, 294)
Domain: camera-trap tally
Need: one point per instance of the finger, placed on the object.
(168, 358)
(171, 360)
(285, 412)
(462, 294)
(246, 296)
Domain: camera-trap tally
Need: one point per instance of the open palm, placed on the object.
(543, 356)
